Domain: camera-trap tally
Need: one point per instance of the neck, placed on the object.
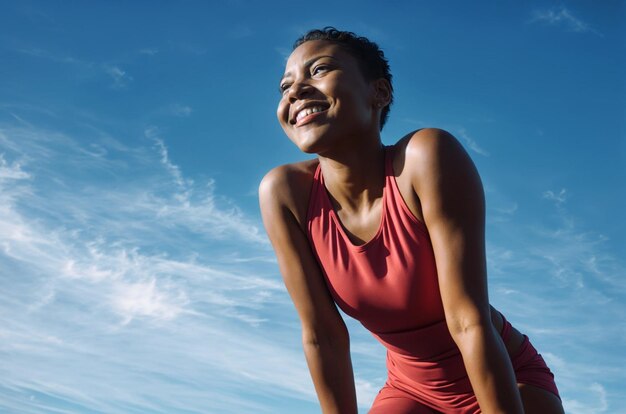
(355, 177)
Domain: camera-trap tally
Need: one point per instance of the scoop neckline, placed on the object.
(339, 224)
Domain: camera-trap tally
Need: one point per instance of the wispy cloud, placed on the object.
(150, 51)
(121, 79)
(43, 54)
(174, 170)
(180, 110)
(558, 198)
(130, 281)
(471, 143)
(562, 17)
(284, 52)
(11, 171)
(599, 404)
(144, 283)
(119, 76)
(557, 279)
(201, 211)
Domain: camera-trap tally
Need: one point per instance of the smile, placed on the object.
(308, 111)
(305, 115)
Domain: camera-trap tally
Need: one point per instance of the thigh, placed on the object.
(394, 401)
(539, 401)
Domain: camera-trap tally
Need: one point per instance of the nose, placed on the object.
(298, 90)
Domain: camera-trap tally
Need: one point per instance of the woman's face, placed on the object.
(325, 98)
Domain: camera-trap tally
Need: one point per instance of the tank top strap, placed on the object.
(314, 195)
(318, 172)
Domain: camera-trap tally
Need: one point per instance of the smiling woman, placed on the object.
(394, 236)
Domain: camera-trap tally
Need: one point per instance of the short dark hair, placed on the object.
(370, 57)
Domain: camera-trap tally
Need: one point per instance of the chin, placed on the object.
(311, 143)
(309, 148)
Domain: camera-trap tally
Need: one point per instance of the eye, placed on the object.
(283, 88)
(319, 69)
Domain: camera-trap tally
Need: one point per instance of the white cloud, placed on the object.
(559, 198)
(11, 171)
(599, 390)
(144, 299)
(556, 279)
(205, 214)
(561, 16)
(471, 143)
(152, 132)
(44, 54)
(181, 110)
(366, 392)
(119, 290)
(150, 283)
(150, 51)
(119, 76)
(283, 52)
(598, 405)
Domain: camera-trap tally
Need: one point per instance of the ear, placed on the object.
(382, 92)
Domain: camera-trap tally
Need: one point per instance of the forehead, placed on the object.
(314, 49)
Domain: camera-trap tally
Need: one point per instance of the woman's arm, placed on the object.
(452, 200)
(325, 337)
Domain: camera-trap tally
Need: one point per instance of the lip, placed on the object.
(306, 119)
(309, 118)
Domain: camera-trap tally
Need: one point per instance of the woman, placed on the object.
(395, 237)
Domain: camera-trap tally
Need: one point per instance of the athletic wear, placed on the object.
(390, 285)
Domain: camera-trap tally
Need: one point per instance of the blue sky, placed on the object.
(135, 274)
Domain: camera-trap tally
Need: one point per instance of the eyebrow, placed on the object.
(306, 65)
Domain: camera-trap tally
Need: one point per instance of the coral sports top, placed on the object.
(390, 285)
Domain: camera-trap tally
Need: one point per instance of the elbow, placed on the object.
(327, 338)
(468, 339)
(466, 331)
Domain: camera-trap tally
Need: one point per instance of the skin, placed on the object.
(441, 187)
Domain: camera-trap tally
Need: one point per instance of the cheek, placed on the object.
(282, 112)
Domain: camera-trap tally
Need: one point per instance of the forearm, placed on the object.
(331, 371)
(490, 371)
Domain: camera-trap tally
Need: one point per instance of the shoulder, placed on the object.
(430, 145)
(288, 186)
(440, 173)
(433, 153)
(286, 182)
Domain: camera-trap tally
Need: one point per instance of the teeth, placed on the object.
(308, 111)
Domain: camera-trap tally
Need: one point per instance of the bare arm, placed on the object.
(452, 198)
(325, 337)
